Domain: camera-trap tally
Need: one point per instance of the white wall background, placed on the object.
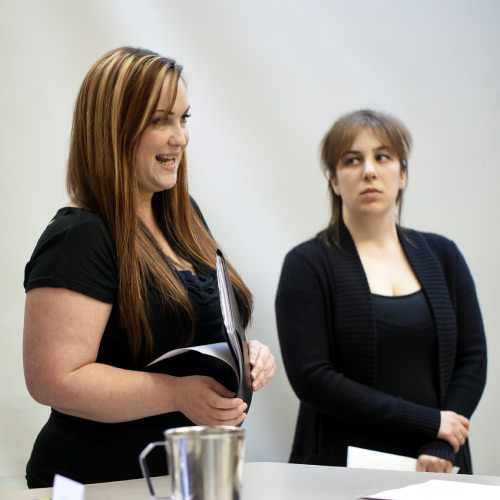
(267, 79)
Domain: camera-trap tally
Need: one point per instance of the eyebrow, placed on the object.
(380, 148)
(170, 112)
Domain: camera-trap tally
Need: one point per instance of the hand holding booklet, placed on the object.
(207, 359)
(360, 458)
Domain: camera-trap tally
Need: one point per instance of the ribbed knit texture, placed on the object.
(327, 330)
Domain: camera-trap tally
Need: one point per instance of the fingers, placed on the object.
(454, 428)
(464, 421)
(455, 443)
(204, 402)
(460, 441)
(215, 415)
(218, 416)
(429, 463)
(262, 362)
(460, 436)
(219, 389)
(221, 406)
(254, 348)
(218, 397)
(223, 415)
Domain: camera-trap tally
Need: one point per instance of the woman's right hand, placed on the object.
(206, 402)
(454, 428)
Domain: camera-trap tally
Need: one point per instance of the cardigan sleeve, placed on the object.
(469, 373)
(438, 448)
(304, 312)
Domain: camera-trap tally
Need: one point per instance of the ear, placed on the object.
(333, 183)
(402, 179)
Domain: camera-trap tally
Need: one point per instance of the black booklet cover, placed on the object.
(226, 362)
(234, 331)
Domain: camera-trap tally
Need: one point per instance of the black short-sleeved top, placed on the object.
(77, 252)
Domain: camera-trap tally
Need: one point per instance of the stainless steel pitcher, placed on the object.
(205, 462)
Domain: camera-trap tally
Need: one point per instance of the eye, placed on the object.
(158, 121)
(382, 158)
(185, 117)
(351, 160)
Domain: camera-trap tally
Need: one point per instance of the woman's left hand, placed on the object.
(262, 363)
(429, 463)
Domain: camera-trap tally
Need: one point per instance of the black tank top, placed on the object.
(406, 363)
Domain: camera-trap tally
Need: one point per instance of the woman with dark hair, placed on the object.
(122, 274)
(380, 328)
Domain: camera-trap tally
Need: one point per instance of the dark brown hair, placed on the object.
(115, 105)
(338, 140)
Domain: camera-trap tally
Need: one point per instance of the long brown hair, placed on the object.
(115, 104)
(338, 140)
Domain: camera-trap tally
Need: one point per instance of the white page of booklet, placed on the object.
(219, 350)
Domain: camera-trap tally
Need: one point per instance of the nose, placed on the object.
(179, 137)
(369, 171)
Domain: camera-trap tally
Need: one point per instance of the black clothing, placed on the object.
(77, 252)
(406, 352)
(327, 331)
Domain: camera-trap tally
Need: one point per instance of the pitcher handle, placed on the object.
(145, 471)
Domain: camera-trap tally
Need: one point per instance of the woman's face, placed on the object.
(368, 177)
(162, 144)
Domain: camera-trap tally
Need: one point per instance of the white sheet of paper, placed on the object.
(441, 490)
(219, 350)
(359, 458)
(67, 489)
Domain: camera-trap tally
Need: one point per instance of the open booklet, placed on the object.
(207, 358)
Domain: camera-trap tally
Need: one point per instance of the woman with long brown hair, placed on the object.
(380, 327)
(122, 274)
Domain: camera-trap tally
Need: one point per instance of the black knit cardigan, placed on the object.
(327, 332)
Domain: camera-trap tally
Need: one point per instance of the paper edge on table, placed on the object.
(437, 489)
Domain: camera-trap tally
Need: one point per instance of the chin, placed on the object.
(168, 184)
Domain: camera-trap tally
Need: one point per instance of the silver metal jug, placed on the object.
(205, 462)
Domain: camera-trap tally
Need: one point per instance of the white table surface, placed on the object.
(274, 481)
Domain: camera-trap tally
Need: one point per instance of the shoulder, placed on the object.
(317, 250)
(76, 251)
(300, 272)
(311, 249)
(78, 231)
(311, 259)
(77, 223)
(437, 243)
(422, 245)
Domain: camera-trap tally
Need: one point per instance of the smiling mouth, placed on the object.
(168, 160)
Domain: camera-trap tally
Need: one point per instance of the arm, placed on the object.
(304, 309)
(469, 374)
(62, 333)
